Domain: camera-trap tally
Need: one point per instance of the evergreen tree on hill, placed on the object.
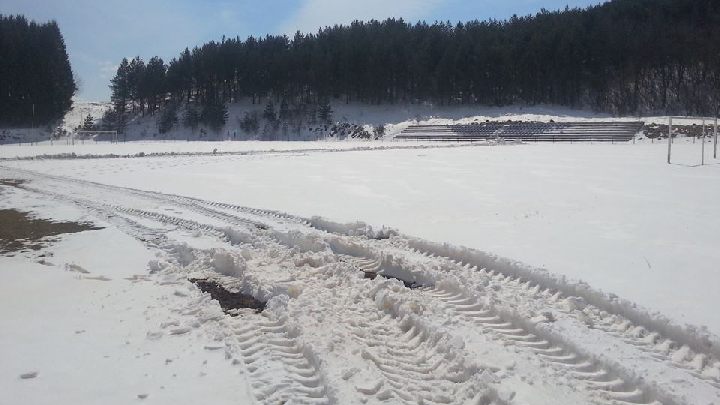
(623, 57)
(269, 112)
(36, 79)
(214, 115)
(135, 78)
(325, 112)
(191, 119)
(153, 84)
(121, 90)
(88, 123)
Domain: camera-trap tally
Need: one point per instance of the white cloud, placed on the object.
(314, 14)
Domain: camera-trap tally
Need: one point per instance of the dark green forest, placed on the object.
(36, 81)
(622, 57)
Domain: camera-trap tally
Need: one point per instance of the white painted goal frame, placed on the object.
(714, 120)
(113, 134)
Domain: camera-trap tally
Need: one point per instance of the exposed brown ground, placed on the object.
(229, 301)
(20, 231)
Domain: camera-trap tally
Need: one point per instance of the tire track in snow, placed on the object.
(279, 371)
(426, 381)
(400, 370)
(611, 388)
(405, 363)
(702, 361)
(704, 364)
(269, 388)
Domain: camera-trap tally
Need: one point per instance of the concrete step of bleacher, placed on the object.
(527, 131)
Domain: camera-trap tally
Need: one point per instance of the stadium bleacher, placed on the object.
(526, 131)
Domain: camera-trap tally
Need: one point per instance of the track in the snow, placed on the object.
(611, 385)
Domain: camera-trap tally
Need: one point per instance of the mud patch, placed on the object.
(20, 231)
(229, 301)
(11, 182)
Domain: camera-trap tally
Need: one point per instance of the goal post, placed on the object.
(704, 120)
(90, 133)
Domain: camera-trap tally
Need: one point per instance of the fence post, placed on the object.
(702, 159)
(715, 139)
(669, 138)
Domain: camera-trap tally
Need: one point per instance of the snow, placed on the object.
(505, 322)
(80, 110)
(91, 149)
(616, 216)
(86, 326)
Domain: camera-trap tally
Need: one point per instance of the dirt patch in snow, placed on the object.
(11, 182)
(20, 231)
(229, 301)
(409, 284)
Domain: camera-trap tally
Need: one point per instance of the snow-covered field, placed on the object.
(479, 329)
(89, 326)
(90, 149)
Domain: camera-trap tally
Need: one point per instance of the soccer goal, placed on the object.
(89, 134)
(705, 122)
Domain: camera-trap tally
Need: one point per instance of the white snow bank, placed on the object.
(351, 229)
(228, 264)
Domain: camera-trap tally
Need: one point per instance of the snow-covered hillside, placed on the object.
(62, 131)
(348, 122)
(81, 109)
(393, 117)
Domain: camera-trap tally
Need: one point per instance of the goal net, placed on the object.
(706, 122)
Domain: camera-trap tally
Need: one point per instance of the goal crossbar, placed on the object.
(96, 132)
(89, 132)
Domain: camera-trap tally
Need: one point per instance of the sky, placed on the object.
(98, 34)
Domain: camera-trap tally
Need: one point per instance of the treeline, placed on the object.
(36, 81)
(623, 57)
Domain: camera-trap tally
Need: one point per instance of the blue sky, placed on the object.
(99, 33)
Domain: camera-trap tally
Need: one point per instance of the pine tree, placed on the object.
(168, 118)
(88, 123)
(36, 79)
(135, 74)
(153, 83)
(214, 115)
(249, 123)
(617, 57)
(191, 119)
(284, 114)
(325, 112)
(120, 87)
(269, 112)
